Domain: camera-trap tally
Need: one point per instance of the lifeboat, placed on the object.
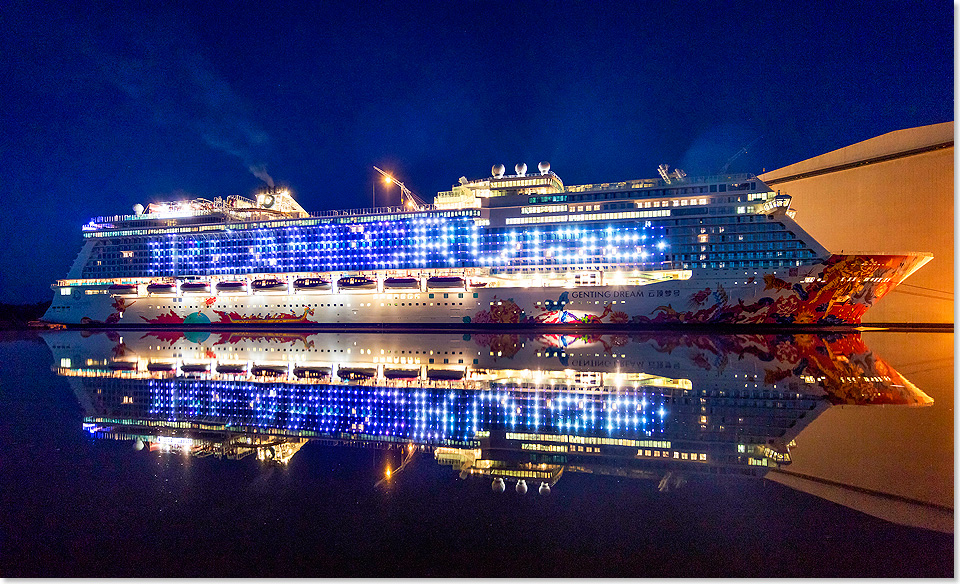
(161, 288)
(356, 283)
(401, 283)
(311, 284)
(123, 365)
(231, 286)
(311, 372)
(269, 370)
(159, 366)
(445, 374)
(445, 282)
(269, 285)
(195, 367)
(401, 373)
(356, 373)
(235, 368)
(195, 288)
(123, 289)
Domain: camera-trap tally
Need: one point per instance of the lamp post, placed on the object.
(387, 180)
(413, 201)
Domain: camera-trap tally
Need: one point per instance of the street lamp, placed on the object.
(413, 201)
(387, 179)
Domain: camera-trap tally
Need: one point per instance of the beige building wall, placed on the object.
(892, 193)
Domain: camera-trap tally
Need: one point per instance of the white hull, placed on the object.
(834, 293)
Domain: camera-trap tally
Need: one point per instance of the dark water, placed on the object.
(94, 485)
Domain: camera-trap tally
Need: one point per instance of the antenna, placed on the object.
(413, 201)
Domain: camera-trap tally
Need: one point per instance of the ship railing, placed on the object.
(657, 183)
(168, 215)
(719, 178)
(370, 211)
(315, 214)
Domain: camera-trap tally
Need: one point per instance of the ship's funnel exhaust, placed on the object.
(260, 171)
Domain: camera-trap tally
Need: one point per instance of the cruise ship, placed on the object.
(507, 407)
(521, 249)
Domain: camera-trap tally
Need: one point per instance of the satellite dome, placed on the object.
(498, 486)
(138, 209)
(544, 488)
(138, 445)
(522, 487)
(498, 170)
(544, 167)
(521, 169)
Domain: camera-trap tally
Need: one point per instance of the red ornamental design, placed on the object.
(501, 345)
(787, 305)
(168, 318)
(169, 337)
(841, 292)
(619, 317)
(787, 352)
(279, 338)
(502, 311)
(281, 318)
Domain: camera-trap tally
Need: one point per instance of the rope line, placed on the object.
(930, 289)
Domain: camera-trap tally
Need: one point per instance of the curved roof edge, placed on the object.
(885, 145)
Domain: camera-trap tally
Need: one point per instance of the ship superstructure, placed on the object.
(520, 248)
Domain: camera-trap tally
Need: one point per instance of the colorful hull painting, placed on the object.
(837, 366)
(648, 399)
(280, 318)
(839, 291)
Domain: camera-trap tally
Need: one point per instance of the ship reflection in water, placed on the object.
(519, 411)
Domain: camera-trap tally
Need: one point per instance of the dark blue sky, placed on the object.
(105, 107)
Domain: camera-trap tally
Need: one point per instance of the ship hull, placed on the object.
(835, 292)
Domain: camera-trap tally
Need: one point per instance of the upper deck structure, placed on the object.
(722, 236)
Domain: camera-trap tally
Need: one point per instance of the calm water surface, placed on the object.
(278, 454)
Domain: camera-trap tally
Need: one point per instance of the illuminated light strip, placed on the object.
(543, 209)
(280, 224)
(234, 244)
(588, 217)
(526, 220)
(676, 203)
(574, 439)
(542, 447)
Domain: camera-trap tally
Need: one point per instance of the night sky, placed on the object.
(104, 108)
